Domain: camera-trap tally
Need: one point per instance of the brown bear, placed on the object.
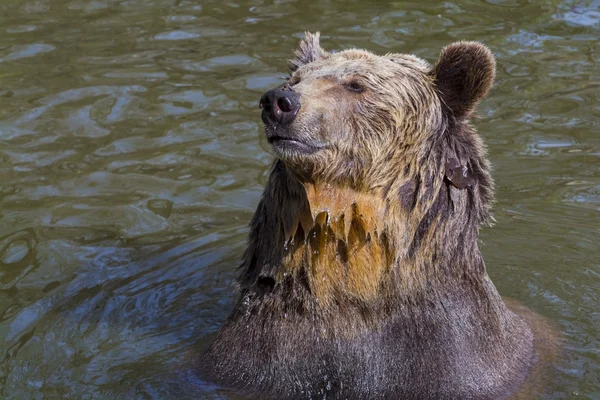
(363, 278)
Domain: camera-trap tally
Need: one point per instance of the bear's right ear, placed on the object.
(463, 75)
(309, 51)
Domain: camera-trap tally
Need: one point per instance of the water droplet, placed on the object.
(246, 301)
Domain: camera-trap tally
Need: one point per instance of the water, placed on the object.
(131, 160)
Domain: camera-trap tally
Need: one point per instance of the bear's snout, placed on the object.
(279, 106)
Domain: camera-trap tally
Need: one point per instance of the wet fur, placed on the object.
(363, 277)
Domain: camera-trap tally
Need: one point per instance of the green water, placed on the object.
(132, 158)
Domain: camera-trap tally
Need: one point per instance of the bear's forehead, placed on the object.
(362, 62)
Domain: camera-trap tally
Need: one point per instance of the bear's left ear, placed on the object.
(309, 51)
(463, 75)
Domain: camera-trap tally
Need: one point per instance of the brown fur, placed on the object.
(363, 277)
(343, 227)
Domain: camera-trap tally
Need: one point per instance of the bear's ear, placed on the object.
(308, 51)
(463, 75)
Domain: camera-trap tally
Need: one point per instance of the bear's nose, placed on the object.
(279, 106)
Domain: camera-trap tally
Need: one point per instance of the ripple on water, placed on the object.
(236, 61)
(21, 29)
(74, 95)
(581, 13)
(17, 257)
(173, 284)
(177, 35)
(31, 50)
(192, 101)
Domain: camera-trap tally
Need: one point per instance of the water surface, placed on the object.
(131, 160)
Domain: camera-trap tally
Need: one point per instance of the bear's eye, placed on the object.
(354, 86)
(294, 80)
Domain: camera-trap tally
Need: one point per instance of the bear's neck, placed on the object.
(362, 247)
(338, 244)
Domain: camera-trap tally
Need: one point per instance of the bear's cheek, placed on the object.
(328, 125)
(328, 111)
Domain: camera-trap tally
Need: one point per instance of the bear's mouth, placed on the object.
(287, 144)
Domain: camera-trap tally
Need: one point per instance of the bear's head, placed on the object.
(364, 120)
(378, 166)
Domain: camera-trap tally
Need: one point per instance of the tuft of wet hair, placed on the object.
(308, 51)
(463, 76)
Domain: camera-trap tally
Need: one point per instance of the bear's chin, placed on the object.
(289, 144)
(284, 146)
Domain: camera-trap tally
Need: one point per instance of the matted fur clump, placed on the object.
(363, 278)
